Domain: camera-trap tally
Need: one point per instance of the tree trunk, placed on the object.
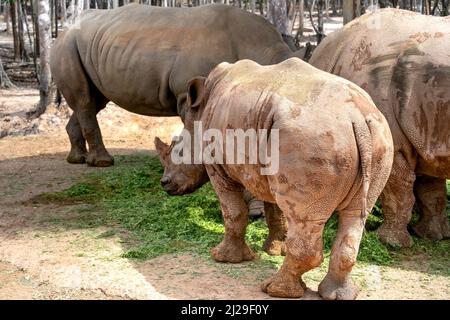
(444, 8)
(320, 7)
(7, 18)
(334, 7)
(23, 51)
(301, 15)
(45, 42)
(351, 10)
(63, 13)
(52, 11)
(4, 79)
(12, 12)
(278, 15)
(34, 15)
(25, 15)
(436, 3)
(56, 17)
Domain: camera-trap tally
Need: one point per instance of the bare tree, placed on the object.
(45, 42)
(7, 19)
(5, 82)
(278, 15)
(20, 31)
(351, 9)
(13, 15)
(63, 12)
(301, 20)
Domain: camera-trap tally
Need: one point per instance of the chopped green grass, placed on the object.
(129, 195)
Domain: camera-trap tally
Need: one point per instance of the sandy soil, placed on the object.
(42, 260)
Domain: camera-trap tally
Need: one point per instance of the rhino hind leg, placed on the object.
(397, 200)
(337, 284)
(304, 251)
(78, 151)
(431, 198)
(84, 99)
(87, 125)
(276, 223)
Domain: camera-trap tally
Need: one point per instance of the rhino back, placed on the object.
(312, 110)
(141, 57)
(405, 71)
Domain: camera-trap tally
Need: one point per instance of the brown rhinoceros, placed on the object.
(182, 178)
(335, 153)
(402, 59)
(141, 57)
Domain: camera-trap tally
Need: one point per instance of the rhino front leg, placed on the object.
(337, 284)
(431, 198)
(233, 247)
(78, 151)
(276, 223)
(397, 200)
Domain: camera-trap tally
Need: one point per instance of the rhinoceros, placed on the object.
(141, 57)
(402, 59)
(335, 153)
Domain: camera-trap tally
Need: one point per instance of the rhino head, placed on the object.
(179, 179)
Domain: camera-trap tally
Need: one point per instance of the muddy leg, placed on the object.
(304, 251)
(337, 284)
(235, 215)
(276, 223)
(78, 151)
(255, 206)
(431, 197)
(397, 200)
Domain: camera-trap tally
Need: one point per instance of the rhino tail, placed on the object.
(364, 144)
(58, 98)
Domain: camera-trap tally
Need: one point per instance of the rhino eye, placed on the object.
(180, 153)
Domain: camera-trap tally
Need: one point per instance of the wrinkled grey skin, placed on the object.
(141, 57)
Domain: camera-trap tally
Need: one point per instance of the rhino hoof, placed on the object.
(395, 236)
(330, 289)
(284, 286)
(95, 159)
(76, 157)
(432, 229)
(228, 252)
(275, 247)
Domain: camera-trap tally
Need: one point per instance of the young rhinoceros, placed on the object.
(335, 153)
(183, 178)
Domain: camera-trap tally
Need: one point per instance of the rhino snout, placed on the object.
(165, 181)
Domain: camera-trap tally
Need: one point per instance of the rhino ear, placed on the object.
(196, 92)
(161, 147)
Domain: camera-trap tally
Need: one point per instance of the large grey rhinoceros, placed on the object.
(402, 59)
(141, 58)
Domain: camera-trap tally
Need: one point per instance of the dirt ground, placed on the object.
(42, 260)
